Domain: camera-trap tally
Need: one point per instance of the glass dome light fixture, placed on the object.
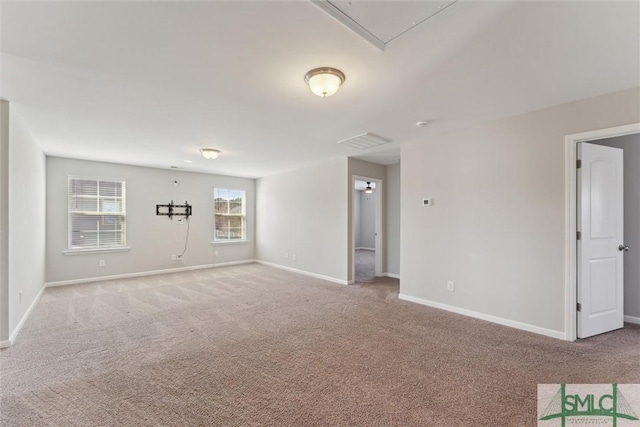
(368, 189)
(324, 81)
(210, 153)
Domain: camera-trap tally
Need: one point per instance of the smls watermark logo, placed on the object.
(588, 405)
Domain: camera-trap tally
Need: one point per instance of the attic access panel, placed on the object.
(381, 22)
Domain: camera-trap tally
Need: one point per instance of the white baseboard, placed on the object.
(392, 275)
(16, 331)
(489, 318)
(306, 273)
(632, 319)
(145, 273)
(366, 249)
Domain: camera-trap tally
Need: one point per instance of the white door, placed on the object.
(600, 245)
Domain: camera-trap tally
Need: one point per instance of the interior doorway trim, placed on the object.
(571, 228)
(379, 229)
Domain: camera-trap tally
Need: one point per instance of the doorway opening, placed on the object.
(366, 220)
(602, 286)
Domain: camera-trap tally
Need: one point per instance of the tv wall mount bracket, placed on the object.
(172, 210)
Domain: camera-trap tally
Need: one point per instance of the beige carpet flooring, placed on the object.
(365, 266)
(256, 346)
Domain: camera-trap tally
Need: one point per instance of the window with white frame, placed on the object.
(229, 214)
(97, 212)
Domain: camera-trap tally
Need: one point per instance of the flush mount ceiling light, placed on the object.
(324, 81)
(210, 153)
(368, 189)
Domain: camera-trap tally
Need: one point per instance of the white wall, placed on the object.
(631, 146)
(357, 212)
(392, 218)
(4, 223)
(27, 219)
(304, 213)
(365, 225)
(153, 239)
(497, 226)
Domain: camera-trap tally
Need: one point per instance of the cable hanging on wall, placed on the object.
(186, 240)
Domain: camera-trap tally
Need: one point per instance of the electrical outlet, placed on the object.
(215, 253)
(450, 285)
(174, 257)
(293, 257)
(179, 257)
(180, 221)
(102, 263)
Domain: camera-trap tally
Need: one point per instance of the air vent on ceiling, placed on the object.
(364, 141)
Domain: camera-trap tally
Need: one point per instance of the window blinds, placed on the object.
(96, 213)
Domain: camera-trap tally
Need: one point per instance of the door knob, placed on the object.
(624, 248)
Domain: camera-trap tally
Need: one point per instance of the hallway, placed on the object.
(365, 265)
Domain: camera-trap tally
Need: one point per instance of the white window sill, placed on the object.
(229, 242)
(94, 251)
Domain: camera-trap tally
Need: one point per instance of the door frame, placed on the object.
(379, 229)
(571, 212)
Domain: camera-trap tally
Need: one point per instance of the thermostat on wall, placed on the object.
(427, 202)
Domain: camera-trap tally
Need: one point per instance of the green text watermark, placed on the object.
(576, 405)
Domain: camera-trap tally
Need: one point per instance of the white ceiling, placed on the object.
(150, 83)
(381, 22)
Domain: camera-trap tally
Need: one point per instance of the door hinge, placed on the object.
(579, 236)
(579, 307)
(579, 165)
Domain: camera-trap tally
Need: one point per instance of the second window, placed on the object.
(229, 214)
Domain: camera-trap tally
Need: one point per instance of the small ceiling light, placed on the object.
(368, 189)
(324, 81)
(210, 153)
(422, 123)
(188, 161)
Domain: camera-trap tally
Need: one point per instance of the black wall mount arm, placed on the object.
(170, 210)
